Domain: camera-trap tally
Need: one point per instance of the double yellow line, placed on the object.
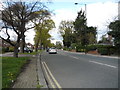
(50, 77)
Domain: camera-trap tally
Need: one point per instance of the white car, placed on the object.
(52, 51)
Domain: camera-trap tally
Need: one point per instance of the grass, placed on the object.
(33, 53)
(11, 67)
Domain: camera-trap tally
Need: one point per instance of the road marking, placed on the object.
(103, 64)
(58, 85)
(115, 57)
(74, 57)
(53, 86)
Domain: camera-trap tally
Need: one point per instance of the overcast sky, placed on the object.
(99, 13)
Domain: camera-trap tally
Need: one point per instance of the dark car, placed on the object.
(26, 49)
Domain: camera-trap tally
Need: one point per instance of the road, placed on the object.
(74, 70)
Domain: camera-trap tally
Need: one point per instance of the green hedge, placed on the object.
(80, 48)
(7, 49)
(102, 49)
(11, 49)
(106, 50)
(68, 49)
(91, 48)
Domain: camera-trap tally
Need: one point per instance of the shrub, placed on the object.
(91, 48)
(11, 49)
(106, 49)
(5, 49)
(80, 48)
(102, 49)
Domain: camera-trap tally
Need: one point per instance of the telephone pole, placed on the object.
(119, 10)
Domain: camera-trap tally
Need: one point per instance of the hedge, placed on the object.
(102, 49)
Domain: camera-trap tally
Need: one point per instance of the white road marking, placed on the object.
(53, 86)
(73, 57)
(58, 85)
(103, 64)
(115, 57)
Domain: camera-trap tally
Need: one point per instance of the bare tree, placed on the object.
(15, 17)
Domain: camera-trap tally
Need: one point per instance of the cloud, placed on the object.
(30, 36)
(98, 14)
(61, 14)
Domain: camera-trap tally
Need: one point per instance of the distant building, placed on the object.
(29, 45)
(119, 10)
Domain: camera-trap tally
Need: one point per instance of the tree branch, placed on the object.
(31, 9)
(7, 40)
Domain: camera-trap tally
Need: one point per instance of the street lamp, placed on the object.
(86, 24)
(85, 7)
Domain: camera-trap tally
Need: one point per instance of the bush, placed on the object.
(80, 48)
(67, 49)
(91, 48)
(73, 45)
(102, 49)
(105, 49)
(11, 49)
(5, 49)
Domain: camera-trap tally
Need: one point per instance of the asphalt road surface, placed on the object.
(74, 70)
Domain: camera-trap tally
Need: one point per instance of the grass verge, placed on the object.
(33, 53)
(11, 68)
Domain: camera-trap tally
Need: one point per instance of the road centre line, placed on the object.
(103, 64)
(73, 57)
(53, 86)
(70, 56)
(58, 85)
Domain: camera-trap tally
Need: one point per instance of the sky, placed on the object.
(99, 14)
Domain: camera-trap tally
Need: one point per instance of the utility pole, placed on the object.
(85, 7)
(119, 10)
(86, 25)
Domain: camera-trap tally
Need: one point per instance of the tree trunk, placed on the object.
(22, 45)
(36, 47)
(15, 51)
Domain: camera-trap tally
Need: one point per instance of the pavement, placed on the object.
(32, 76)
(28, 78)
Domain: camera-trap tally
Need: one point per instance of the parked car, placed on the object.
(52, 50)
(26, 49)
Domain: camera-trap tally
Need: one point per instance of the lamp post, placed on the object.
(119, 10)
(85, 7)
(86, 25)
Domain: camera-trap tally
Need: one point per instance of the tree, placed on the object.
(85, 35)
(42, 28)
(81, 28)
(15, 16)
(58, 44)
(67, 30)
(115, 31)
(91, 34)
